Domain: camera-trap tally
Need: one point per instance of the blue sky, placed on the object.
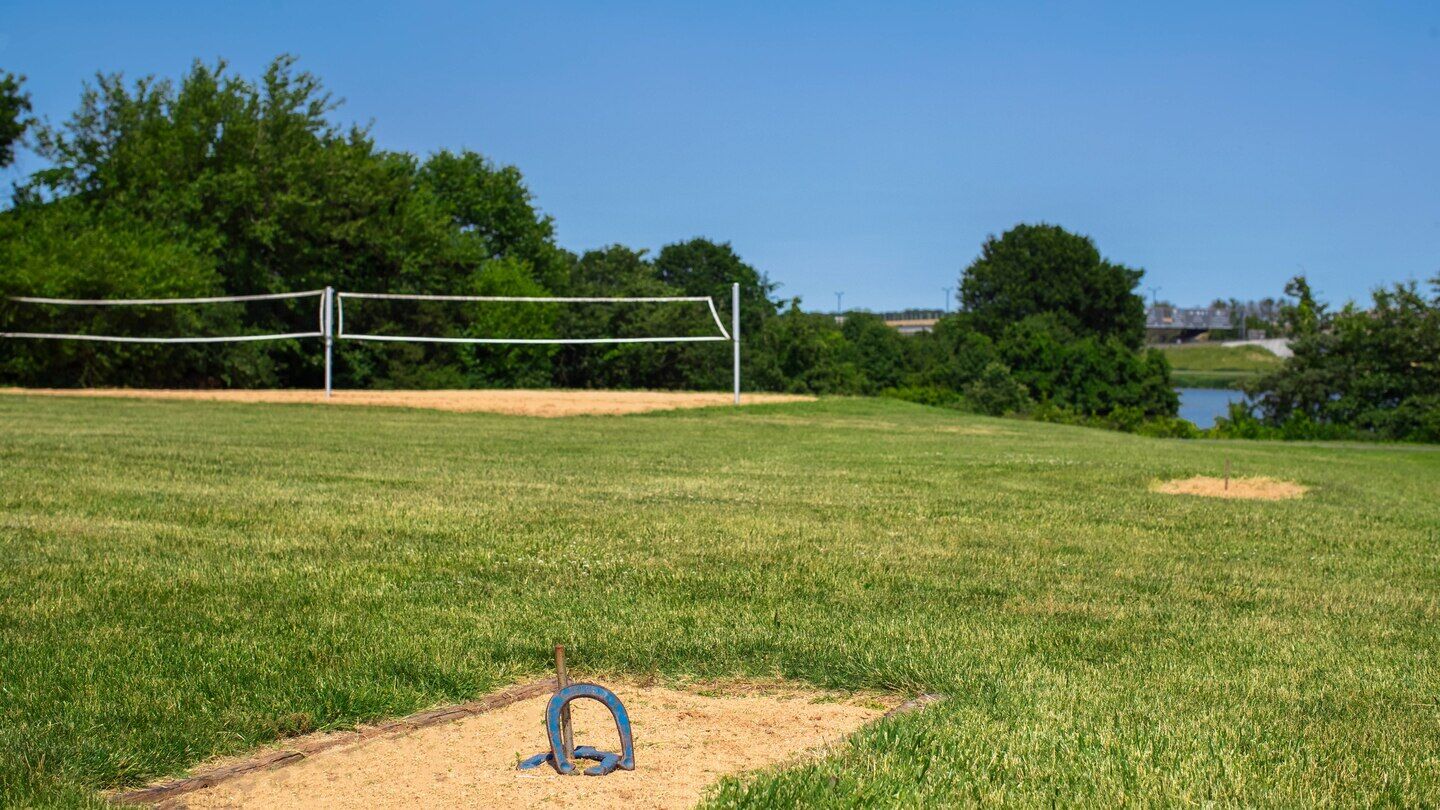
(1223, 147)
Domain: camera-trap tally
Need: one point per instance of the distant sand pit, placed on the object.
(515, 402)
(1264, 489)
(685, 741)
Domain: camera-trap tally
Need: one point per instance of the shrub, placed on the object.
(997, 392)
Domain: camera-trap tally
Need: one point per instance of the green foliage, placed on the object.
(14, 120)
(997, 392)
(65, 250)
(1086, 375)
(1304, 315)
(884, 357)
(491, 205)
(1045, 270)
(1372, 372)
(953, 354)
(802, 352)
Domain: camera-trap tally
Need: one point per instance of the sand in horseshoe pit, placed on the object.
(684, 742)
(1263, 489)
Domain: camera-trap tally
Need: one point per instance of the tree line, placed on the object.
(220, 185)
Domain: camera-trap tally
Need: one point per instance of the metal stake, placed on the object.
(566, 732)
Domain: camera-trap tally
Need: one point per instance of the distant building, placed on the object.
(912, 321)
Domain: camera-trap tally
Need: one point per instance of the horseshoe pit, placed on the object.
(685, 740)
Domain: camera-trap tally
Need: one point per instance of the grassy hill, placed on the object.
(181, 580)
(1200, 365)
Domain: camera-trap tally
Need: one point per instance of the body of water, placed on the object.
(1204, 405)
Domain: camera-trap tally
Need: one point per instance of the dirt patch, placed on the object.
(976, 430)
(685, 740)
(521, 403)
(1265, 489)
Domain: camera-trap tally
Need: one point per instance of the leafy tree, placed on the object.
(1303, 317)
(492, 204)
(1086, 375)
(618, 271)
(953, 354)
(883, 356)
(14, 106)
(1372, 371)
(255, 178)
(65, 250)
(703, 267)
(806, 353)
(1044, 269)
(996, 391)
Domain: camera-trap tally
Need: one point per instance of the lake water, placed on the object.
(1204, 405)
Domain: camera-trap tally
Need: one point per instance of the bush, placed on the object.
(996, 392)
(1086, 375)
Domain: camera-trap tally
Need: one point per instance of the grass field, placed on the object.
(179, 580)
(1200, 365)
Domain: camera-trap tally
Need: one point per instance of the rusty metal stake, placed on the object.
(563, 679)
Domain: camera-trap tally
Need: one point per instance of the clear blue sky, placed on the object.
(871, 148)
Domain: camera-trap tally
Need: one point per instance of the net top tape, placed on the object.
(523, 299)
(217, 299)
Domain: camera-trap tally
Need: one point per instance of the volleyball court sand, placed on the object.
(517, 402)
(684, 742)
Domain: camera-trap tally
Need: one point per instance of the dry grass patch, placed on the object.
(684, 741)
(1259, 488)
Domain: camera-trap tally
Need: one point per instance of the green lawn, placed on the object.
(179, 580)
(1200, 365)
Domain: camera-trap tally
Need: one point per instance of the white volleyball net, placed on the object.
(695, 315)
(136, 320)
(383, 317)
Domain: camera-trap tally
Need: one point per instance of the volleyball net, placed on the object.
(401, 322)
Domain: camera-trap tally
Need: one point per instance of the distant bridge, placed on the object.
(1186, 322)
(1181, 322)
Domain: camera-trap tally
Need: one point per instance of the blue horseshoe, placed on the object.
(608, 761)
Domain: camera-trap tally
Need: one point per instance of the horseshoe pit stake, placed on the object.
(557, 728)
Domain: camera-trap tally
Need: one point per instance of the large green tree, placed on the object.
(14, 115)
(1045, 269)
(258, 183)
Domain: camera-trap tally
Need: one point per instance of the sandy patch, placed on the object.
(517, 402)
(976, 430)
(684, 742)
(1265, 489)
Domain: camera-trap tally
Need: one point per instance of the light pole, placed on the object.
(839, 296)
(947, 297)
(1154, 291)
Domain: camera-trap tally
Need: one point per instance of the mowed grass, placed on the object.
(1200, 365)
(179, 580)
